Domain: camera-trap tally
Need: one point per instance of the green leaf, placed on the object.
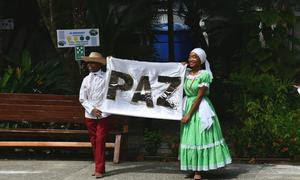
(281, 30)
(274, 42)
(270, 17)
(265, 67)
(289, 17)
(253, 46)
(263, 55)
(6, 76)
(295, 40)
(25, 61)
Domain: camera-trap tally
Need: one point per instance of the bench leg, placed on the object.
(117, 148)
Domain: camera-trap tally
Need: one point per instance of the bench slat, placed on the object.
(39, 102)
(49, 144)
(17, 118)
(51, 131)
(43, 144)
(48, 131)
(64, 108)
(42, 113)
(37, 96)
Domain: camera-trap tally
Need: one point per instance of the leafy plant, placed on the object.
(25, 77)
(269, 41)
(268, 112)
(125, 26)
(173, 144)
(152, 141)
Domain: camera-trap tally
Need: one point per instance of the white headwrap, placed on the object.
(202, 55)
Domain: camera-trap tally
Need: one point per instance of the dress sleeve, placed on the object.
(205, 79)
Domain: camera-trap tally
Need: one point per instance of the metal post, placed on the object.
(170, 31)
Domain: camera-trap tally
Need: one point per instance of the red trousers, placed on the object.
(97, 130)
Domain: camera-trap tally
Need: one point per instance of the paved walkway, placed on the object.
(81, 170)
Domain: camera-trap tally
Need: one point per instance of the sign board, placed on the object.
(79, 52)
(144, 89)
(77, 37)
(6, 24)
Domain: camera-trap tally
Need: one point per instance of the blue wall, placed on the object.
(183, 44)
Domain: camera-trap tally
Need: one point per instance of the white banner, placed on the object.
(77, 37)
(144, 89)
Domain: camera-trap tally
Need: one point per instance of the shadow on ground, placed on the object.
(172, 168)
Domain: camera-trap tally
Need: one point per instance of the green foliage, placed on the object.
(173, 143)
(269, 40)
(125, 26)
(152, 141)
(264, 60)
(25, 77)
(264, 101)
(268, 112)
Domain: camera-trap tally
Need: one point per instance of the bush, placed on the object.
(25, 77)
(268, 112)
(173, 144)
(152, 141)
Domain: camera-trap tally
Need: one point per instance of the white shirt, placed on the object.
(92, 93)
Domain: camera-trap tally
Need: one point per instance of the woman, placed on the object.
(202, 146)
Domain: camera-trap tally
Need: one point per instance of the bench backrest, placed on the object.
(40, 108)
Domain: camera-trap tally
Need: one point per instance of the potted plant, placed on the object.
(152, 141)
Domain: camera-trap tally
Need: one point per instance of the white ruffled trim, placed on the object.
(200, 147)
(205, 168)
(192, 77)
(203, 84)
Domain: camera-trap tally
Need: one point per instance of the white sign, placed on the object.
(144, 89)
(6, 24)
(77, 37)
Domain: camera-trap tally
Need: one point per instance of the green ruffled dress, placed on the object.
(201, 149)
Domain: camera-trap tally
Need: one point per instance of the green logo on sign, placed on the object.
(79, 52)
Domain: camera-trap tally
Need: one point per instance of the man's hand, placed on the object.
(96, 112)
(185, 119)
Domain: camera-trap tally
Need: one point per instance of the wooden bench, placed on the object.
(49, 109)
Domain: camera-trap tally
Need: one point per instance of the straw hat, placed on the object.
(94, 57)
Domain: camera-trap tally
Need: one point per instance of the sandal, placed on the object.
(197, 176)
(190, 175)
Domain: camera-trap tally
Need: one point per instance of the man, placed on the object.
(91, 96)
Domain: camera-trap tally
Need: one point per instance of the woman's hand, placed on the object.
(183, 63)
(185, 118)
